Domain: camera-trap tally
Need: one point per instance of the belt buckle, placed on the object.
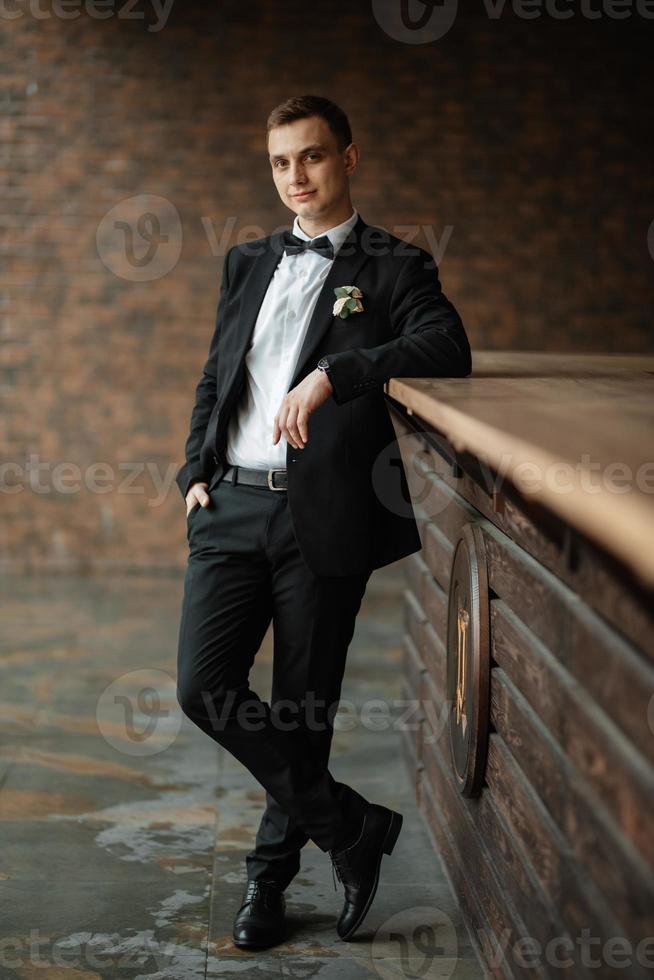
(270, 480)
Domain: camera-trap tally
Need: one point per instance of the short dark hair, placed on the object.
(302, 106)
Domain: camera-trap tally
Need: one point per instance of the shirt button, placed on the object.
(291, 314)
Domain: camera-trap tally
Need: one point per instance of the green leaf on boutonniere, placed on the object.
(348, 300)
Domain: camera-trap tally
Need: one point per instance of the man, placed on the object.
(295, 492)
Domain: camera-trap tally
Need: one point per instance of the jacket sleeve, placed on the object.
(430, 340)
(205, 398)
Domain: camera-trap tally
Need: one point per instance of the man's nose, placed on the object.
(297, 176)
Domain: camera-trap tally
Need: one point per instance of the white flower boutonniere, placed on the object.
(348, 301)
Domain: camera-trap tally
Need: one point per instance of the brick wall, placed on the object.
(524, 145)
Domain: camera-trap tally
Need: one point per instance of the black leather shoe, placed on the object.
(260, 920)
(357, 866)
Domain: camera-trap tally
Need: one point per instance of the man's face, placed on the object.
(305, 160)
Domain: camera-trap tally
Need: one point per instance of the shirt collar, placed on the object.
(336, 235)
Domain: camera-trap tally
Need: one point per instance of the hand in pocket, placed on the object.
(197, 497)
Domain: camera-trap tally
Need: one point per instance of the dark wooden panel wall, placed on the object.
(558, 846)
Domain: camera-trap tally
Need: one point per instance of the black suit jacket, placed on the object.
(347, 488)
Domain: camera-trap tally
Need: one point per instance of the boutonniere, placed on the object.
(348, 301)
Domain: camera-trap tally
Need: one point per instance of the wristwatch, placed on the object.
(324, 365)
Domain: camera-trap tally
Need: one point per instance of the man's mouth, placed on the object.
(304, 194)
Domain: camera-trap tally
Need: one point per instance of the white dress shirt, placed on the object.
(272, 355)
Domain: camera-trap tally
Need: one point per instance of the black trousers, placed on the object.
(244, 571)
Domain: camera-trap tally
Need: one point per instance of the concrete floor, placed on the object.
(124, 828)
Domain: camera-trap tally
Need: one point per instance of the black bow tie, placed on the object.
(293, 245)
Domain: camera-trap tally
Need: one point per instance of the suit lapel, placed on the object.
(344, 270)
(237, 335)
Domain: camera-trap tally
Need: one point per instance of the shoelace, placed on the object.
(336, 869)
(254, 887)
(340, 860)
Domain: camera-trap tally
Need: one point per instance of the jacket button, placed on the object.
(215, 459)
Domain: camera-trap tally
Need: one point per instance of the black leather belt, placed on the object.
(270, 479)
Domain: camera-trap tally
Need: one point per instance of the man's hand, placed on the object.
(296, 407)
(197, 495)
